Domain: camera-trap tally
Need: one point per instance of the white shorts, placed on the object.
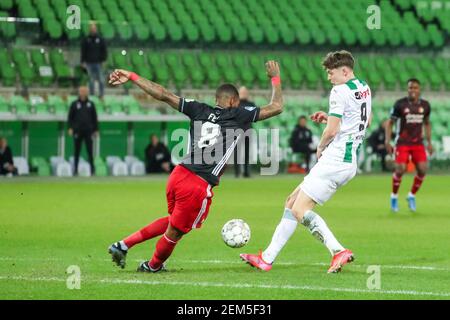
(325, 178)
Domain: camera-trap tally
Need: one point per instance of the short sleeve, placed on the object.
(247, 114)
(191, 108)
(336, 103)
(396, 111)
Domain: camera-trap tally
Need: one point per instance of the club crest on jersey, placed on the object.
(421, 110)
(212, 117)
(406, 110)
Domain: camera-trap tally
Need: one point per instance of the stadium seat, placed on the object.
(41, 166)
(60, 167)
(84, 169)
(135, 166)
(22, 166)
(116, 166)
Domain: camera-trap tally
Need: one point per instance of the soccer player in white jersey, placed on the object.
(346, 123)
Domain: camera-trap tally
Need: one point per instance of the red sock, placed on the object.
(396, 180)
(418, 179)
(164, 248)
(156, 228)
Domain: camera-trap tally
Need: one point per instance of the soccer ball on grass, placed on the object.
(236, 233)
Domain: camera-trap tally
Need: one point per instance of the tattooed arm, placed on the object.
(155, 90)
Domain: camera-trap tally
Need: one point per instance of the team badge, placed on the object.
(421, 110)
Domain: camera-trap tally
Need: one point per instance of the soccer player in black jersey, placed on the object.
(214, 133)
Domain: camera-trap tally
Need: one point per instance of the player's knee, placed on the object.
(421, 171)
(173, 233)
(289, 202)
(298, 213)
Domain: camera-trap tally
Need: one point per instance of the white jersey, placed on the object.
(352, 102)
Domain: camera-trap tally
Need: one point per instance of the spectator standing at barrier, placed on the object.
(83, 126)
(300, 140)
(244, 97)
(376, 142)
(6, 159)
(157, 156)
(93, 54)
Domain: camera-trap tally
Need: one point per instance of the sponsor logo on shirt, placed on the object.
(414, 118)
(362, 94)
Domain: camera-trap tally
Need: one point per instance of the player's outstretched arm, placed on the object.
(331, 130)
(275, 107)
(119, 76)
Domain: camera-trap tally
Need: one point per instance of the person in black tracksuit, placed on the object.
(157, 157)
(376, 141)
(6, 159)
(83, 125)
(244, 102)
(93, 54)
(300, 140)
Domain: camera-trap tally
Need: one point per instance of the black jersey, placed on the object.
(214, 133)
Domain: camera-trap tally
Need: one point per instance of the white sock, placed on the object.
(394, 195)
(123, 246)
(321, 232)
(283, 232)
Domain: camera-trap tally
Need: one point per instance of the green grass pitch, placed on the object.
(50, 224)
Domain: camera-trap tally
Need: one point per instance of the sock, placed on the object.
(320, 231)
(156, 228)
(164, 248)
(396, 180)
(418, 179)
(283, 232)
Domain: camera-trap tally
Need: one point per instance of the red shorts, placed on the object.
(188, 199)
(416, 152)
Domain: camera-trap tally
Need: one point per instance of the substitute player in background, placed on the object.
(410, 114)
(347, 120)
(189, 189)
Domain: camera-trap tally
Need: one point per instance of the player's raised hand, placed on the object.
(319, 117)
(272, 69)
(119, 76)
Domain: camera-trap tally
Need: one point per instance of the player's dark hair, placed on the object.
(413, 80)
(302, 117)
(338, 59)
(227, 90)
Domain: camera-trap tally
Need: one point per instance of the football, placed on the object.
(236, 233)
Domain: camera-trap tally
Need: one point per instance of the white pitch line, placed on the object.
(233, 285)
(215, 261)
(426, 268)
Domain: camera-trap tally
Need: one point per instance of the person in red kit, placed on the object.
(410, 114)
(214, 134)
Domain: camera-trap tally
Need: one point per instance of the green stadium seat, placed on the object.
(19, 105)
(101, 169)
(7, 71)
(4, 107)
(56, 105)
(41, 166)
